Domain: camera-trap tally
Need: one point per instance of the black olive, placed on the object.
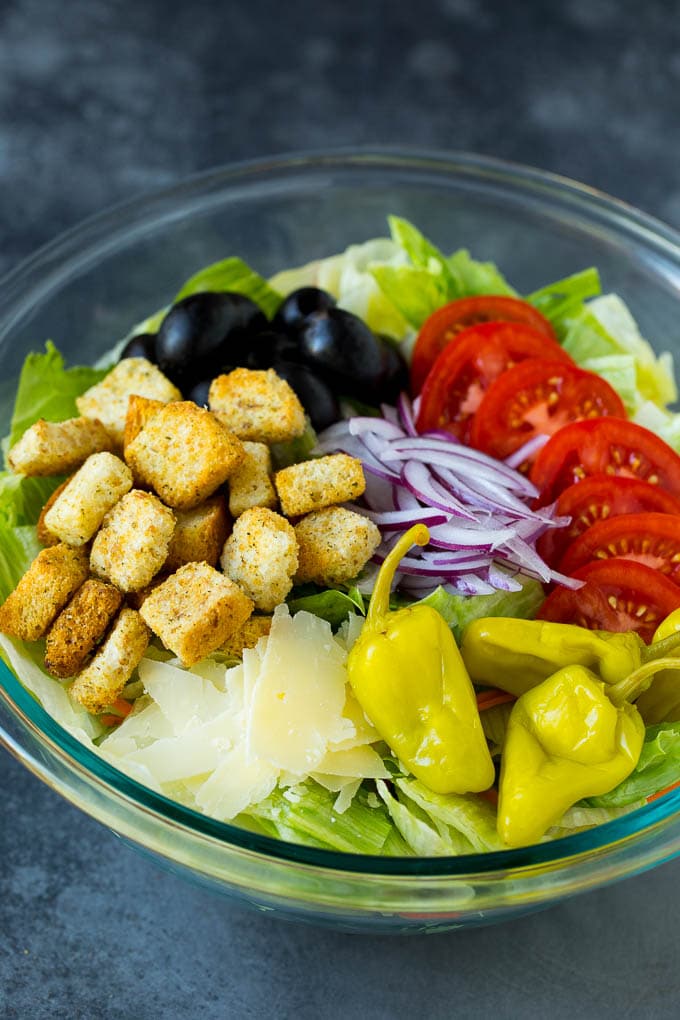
(141, 346)
(197, 335)
(263, 349)
(343, 350)
(395, 372)
(199, 392)
(314, 394)
(299, 306)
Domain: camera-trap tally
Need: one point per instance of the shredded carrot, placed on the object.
(122, 707)
(493, 697)
(491, 795)
(111, 720)
(660, 793)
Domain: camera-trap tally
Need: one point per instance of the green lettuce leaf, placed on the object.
(18, 548)
(305, 814)
(235, 275)
(563, 298)
(460, 610)
(47, 389)
(330, 604)
(416, 293)
(473, 277)
(657, 768)
(419, 830)
(22, 498)
(469, 815)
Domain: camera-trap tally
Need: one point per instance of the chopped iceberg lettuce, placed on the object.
(658, 767)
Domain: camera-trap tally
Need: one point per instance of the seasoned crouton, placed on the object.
(195, 610)
(58, 447)
(132, 544)
(314, 484)
(251, 484)
(184, 453)
(108, 399)
(46, 537)
(140, 411)
(135, 599)
(101, 682)
(257, 405)
(261, 555)
(199, 534)
(92, 491)
(247, 636)
(334, 545)
(43, 591)
(80, 627)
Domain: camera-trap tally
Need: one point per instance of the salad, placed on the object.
(377, 555)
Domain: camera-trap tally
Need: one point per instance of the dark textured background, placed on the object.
(101, 100)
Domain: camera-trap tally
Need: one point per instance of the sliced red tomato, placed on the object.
(600, 498)
(537, 397)
(650, 538)
(464, 371)
(447, 322)
(618, 595)
(610, 446)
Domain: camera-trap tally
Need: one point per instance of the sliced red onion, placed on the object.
(482, 530)
(526, 451)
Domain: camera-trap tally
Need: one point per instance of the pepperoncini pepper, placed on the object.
(516, 655)
(569, 737)
(661, 701)
(408, 676)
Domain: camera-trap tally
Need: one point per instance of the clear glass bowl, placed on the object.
(85, 291)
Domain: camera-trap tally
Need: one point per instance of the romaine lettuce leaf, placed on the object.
(420, 831)
(460, 610)
(47, 389)
(235, 275)
(330, 604)
(18, 548)
(558, 300)
(469, 815)
(22, 498)
(658, 767)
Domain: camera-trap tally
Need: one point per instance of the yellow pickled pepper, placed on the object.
(661, 701)
(516, 655)
(408, 676)
(566, 739)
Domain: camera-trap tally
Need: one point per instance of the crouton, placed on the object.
(315, 484)
(79, 510)
(257, 405)
(108, 399)
(261, 555)
(102, 681)
(195, 610)
(58, 447)
(46, 537)
(132, 544)
(247, 636)
(184, 453)
(250, 484)
(334, 545)
(135, 599)
(140, 411)
(199, 534)
(43, 591)
(80, 627)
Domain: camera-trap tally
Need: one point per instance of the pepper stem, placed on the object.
(659, 649)
(637, 682)
(380, 599)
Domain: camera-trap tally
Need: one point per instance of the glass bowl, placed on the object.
(85, 290)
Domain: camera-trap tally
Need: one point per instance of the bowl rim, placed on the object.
(121, 219)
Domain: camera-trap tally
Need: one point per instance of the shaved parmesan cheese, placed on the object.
(237, 783)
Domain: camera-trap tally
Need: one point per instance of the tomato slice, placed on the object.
(464, 371)
(599, 498)
(650, 538)
(618, 595)
(611, 446)
(447, 322)
(537, 397)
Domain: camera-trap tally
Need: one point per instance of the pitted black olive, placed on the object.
(299, 306)
(141, 346)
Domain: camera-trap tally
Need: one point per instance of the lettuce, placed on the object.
(234, 275)
(658, 767)
(330, 604)
(460, 610)
(558, 300)
(47, 389)
(465, 814)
